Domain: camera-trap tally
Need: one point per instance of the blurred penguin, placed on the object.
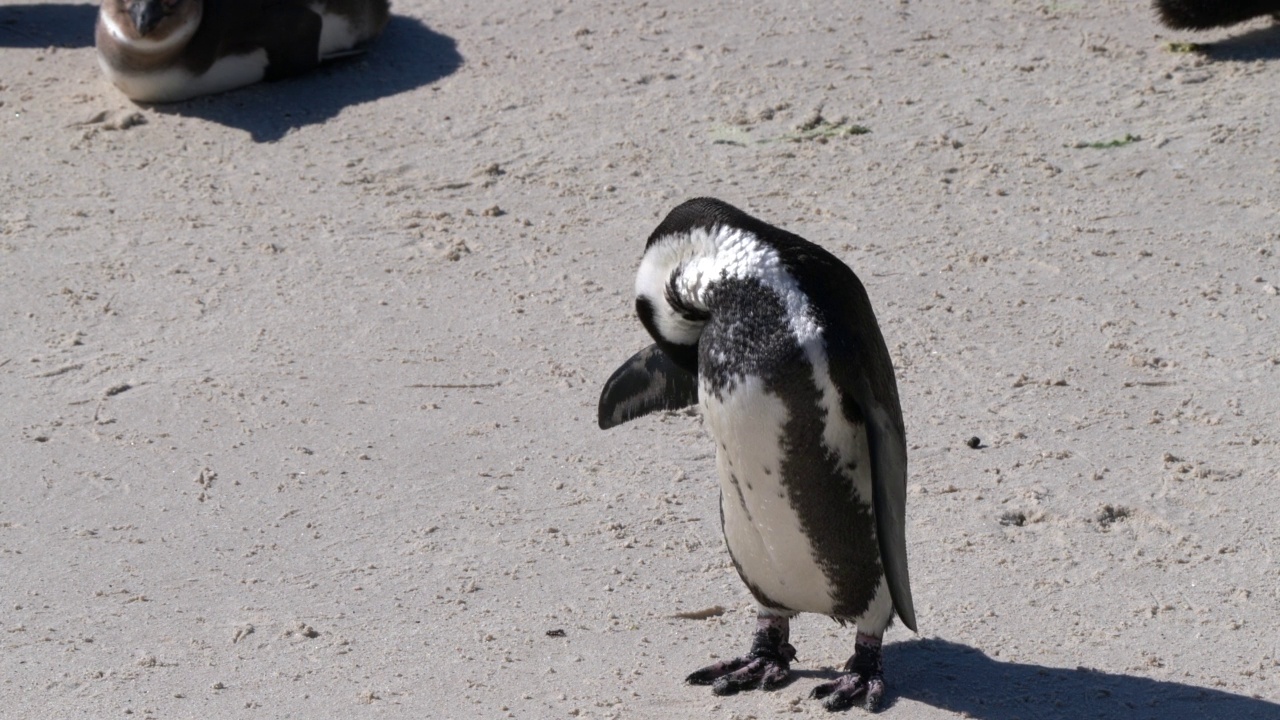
(1206, 14)
(170, 50)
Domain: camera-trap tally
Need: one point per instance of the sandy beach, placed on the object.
(300, 381)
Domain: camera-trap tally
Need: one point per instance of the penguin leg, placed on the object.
(864, 677)
(767, 665)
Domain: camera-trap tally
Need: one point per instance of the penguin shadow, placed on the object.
(961, 679)
(1258, 44)
(407, 55)
(47, 25)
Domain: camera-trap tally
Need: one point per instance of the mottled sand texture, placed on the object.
(299, 382)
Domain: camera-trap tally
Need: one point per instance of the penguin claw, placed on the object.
(841, 693)
(766, 666)
(745, 673)
(864, 677)
(711, 673)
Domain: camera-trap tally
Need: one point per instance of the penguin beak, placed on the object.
(146, 14)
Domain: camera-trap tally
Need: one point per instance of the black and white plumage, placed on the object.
(169, 50)
(776, 341)
(1205, 14)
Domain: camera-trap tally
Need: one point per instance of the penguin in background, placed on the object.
(774, 339)
(1206, 14)
(159, 51)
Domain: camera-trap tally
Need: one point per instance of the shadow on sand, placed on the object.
(961, 679)
(407, 55)
(1259, 44)
(47, 25)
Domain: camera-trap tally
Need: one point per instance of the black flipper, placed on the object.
(649, 381)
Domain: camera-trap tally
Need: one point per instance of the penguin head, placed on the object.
(663, 376)
(699, 243)
(684, 255)
(152, 24)
(674, 324)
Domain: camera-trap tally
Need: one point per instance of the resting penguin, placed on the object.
(1205, 14)
(169, 50)
(775, 340)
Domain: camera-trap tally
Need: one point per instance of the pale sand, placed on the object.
(356, 472)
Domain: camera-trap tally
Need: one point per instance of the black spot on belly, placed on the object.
(767, 471)
(742, 500)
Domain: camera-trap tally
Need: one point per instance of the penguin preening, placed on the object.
(775, 340)
(169, 50)
(1205, 14)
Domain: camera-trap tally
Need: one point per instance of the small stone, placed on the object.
(974, 442)
(1014, 518)
(302, 630)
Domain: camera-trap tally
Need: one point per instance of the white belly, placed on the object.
(175, 84)
(340, 33)
(761, 527)
(336, 32)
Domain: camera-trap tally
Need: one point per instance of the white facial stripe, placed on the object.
(656, 268)
(146, 45)
(113, 29)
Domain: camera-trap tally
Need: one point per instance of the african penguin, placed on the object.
(774, 338)
(1205, 14)
(169, 50)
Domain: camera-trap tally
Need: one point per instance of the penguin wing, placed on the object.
(869, 399)
(889, 490)
(649, 381)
